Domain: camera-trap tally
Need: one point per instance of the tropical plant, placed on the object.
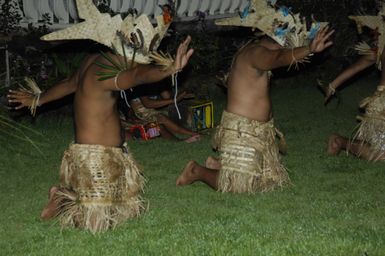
(64, 67)
(11, 131)
(9, 18)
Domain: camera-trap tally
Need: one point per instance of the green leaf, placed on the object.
(124, 55)
(61, 66)
(105, 66)
(108, 58)
(106, 73)
(133, 58)
(106, 77)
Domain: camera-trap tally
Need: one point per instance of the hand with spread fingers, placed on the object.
(23, 98)
(183, 55)
(321, 40)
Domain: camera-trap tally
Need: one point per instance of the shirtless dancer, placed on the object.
(369, 141)
(100, 181)
(364, 62)
(249, 160)
(370, 52)
(369, 144)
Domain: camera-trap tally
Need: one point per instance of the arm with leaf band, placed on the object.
(125, 78)
(58, 91)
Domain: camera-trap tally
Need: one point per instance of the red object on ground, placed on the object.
(145, 132)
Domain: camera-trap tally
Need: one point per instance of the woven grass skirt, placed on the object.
(372, 126)
(100, 187)
(249, 155)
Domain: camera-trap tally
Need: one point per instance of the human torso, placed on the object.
(248, 89)
(96, 115)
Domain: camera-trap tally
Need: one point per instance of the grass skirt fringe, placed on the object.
(249, 155)
(372, 126)
(100, 187)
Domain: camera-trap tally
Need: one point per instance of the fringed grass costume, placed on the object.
(249, 155)
(100, 187)
(372, 127)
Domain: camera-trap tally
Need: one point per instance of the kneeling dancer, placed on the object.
(249, 155)
(100, 182)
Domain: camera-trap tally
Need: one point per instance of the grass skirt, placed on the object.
(372, 126)
(100, 187)
(249, 155)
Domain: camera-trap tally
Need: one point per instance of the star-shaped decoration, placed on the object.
(376, 23)
(99, 27)
(279, 23)
(133, 34)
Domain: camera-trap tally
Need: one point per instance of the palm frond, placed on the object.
(17, 131)
(106, 77)
(112, 61)
(105, 66)
(9, 121)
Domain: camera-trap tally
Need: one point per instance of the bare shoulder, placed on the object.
(87, 75)
(261, 55)
(249, 52)
(89, 60)
(86, 64)
(252, 46)
(249, 56)
(93, 59)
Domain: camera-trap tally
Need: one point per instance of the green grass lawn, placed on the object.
(335, 206)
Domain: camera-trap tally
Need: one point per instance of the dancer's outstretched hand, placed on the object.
(321, 40)
(183, 54)
(23, 98)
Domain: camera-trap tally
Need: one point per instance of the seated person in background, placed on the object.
(145, 104)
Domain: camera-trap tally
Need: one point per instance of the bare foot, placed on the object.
(188, 175)
(334, 145)
(328, 95)
(49, 210)
(213, 163)
(328, 91)
(193, 138)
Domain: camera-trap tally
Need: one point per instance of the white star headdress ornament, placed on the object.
(114, 32)
(373, 22)
(286, 28)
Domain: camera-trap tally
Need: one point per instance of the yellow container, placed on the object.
(202, 113)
